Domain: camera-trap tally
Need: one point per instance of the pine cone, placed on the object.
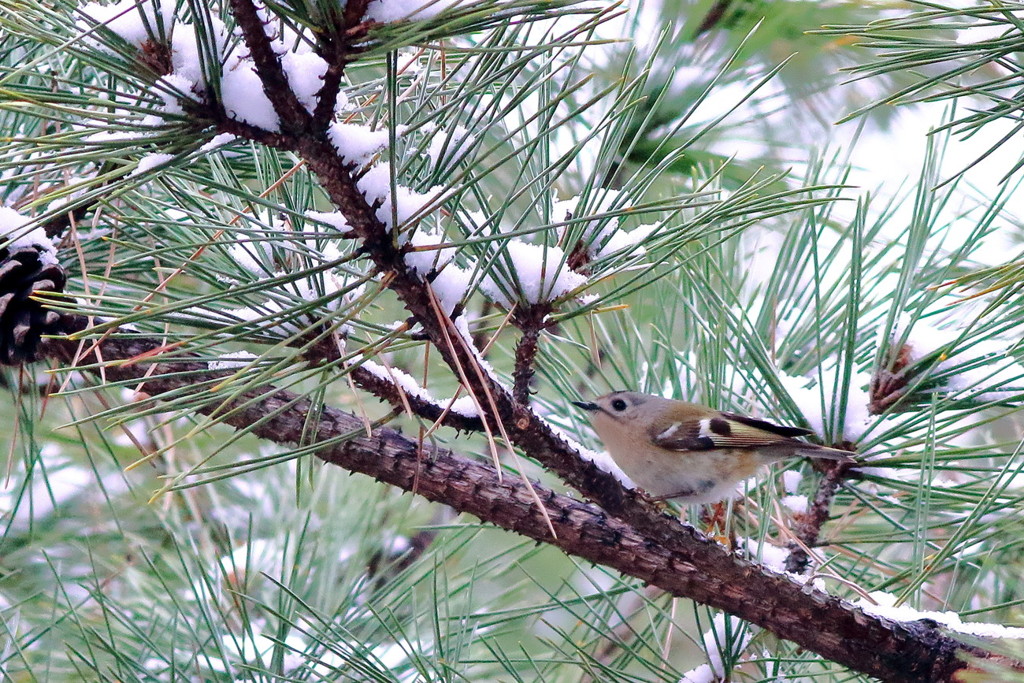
(24, 272)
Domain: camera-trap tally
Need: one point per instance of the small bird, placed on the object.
(689, 452)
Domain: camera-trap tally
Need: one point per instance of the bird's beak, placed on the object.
(589, 406)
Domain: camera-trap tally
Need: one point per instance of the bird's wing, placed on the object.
(723, 430)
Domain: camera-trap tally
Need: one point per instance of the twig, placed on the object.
(335, 45)
(56, 226)
(390, 392)
(293, 114)
(531, 322)
(809, 529)
(713, 17)
(400, 560)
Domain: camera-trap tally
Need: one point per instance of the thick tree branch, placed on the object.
(692, 566)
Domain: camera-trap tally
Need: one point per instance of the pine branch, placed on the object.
(689, 565)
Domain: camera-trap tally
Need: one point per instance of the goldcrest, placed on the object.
(689, 452)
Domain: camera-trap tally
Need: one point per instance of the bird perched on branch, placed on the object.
(689, 452)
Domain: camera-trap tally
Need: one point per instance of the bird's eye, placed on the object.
(618, 404)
